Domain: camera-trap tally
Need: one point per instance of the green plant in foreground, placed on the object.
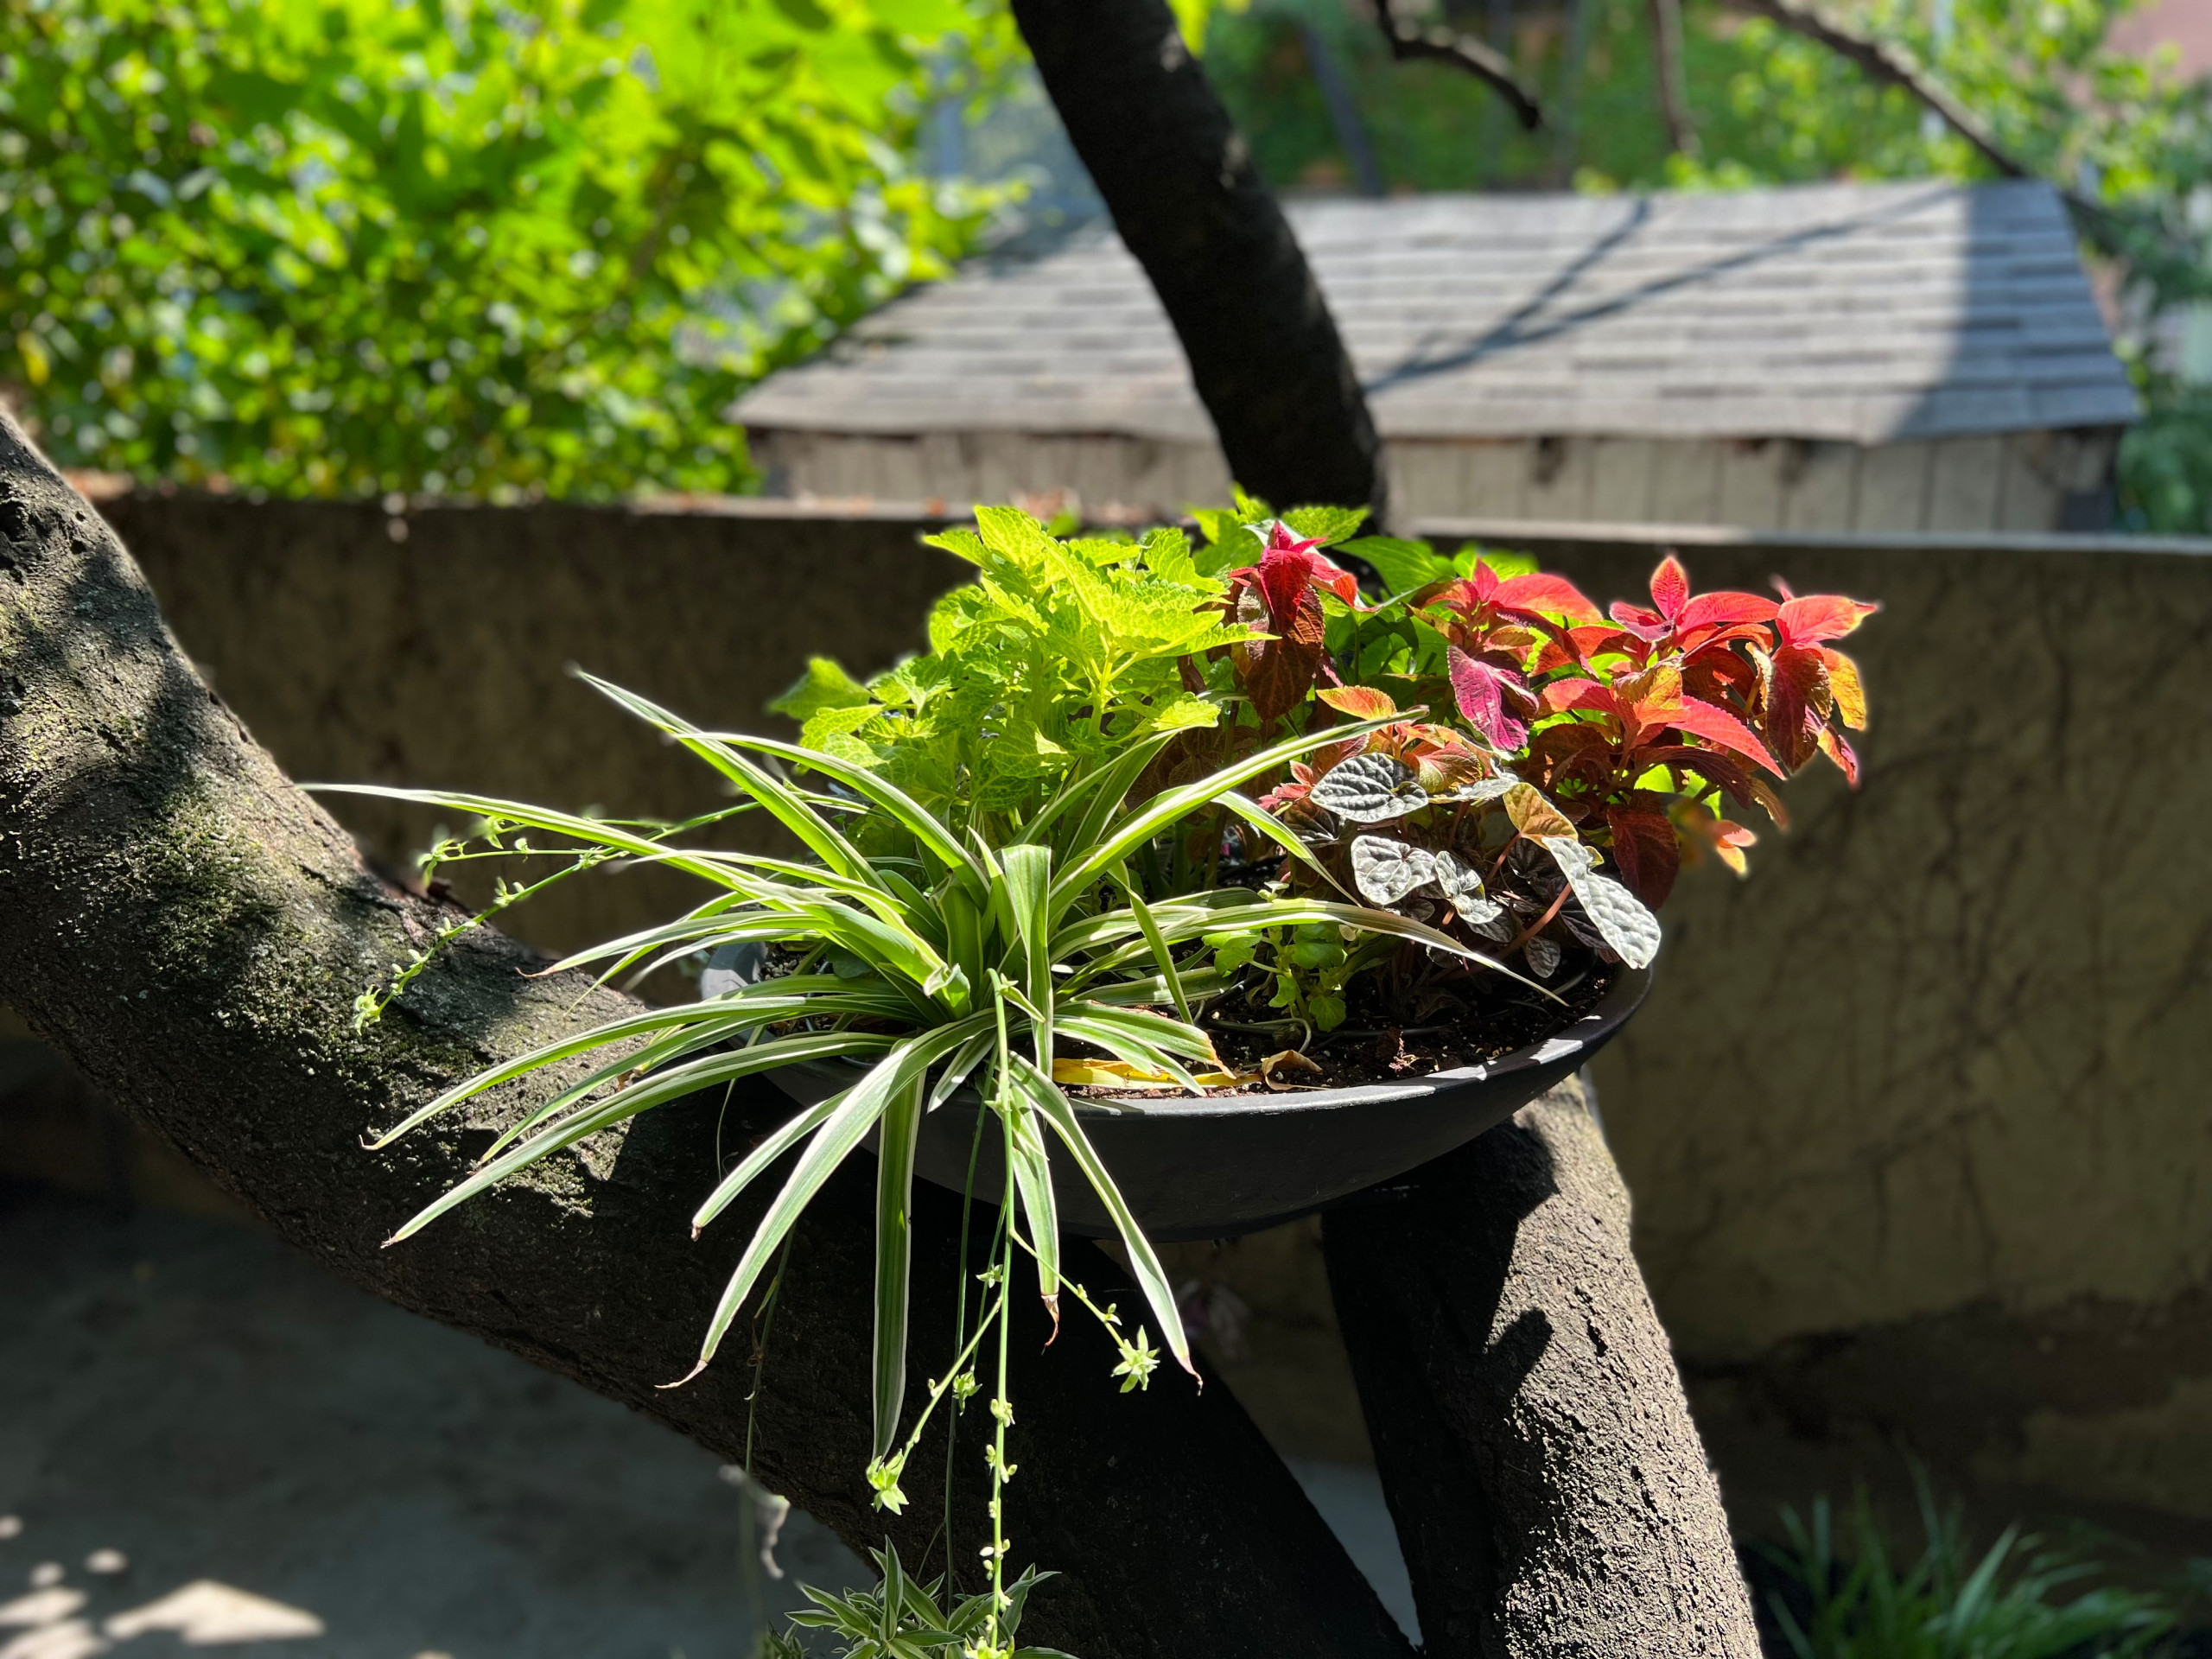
(966, 946)
(1863, 1604)
(901, 1619)
(1036, 838)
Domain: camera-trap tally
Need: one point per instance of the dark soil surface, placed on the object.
(1480, 1018)
(1368, 1048)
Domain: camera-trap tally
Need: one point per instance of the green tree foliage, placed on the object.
(341, 247)
(2128, 137)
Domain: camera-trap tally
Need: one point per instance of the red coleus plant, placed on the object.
(1492, 622)
(1583, 735)
(1675, 706)
(1279, 598)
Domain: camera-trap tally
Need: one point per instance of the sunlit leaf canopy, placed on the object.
(345, 246)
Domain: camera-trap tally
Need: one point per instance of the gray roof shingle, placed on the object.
(1866, 313)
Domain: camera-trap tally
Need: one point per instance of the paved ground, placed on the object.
(191, 1398)
(206, 1443)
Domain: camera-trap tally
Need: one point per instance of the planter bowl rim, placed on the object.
(1219, 1165)
(1622, 998)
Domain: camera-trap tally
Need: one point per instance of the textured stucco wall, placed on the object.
(431, 649)
(1919, 1119)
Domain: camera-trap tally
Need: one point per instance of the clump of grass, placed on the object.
(2022, 1599)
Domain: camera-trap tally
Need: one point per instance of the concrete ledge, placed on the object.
(1534, 533)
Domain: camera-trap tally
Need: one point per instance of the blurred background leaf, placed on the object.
(347, 246)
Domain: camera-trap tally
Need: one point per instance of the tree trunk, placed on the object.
(1264, 352)
(1549, 1489)
(192, 931)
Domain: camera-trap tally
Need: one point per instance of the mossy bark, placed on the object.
(192, 930)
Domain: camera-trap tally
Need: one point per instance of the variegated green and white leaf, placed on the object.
(1144, 1262)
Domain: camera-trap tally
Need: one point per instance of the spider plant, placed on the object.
(904, 1618)
(967, 953)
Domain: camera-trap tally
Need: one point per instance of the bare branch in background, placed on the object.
(1568, 122)
(1891, 67)
(1673, 77)
(1410, 39)
(1343, 107)
(1265, 355)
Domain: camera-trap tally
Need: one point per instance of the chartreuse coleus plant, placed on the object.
(1057, 657)
(931, 949)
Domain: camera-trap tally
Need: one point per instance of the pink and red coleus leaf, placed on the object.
(1834, 746)
(1816, 617)
(1724, 609)
(1281, 596)
(1560, 696)
(1535, 595)
(1747, 788)
(1278, 671)
(1850, 690)
(1798, 702)
(1482, 692)
(1724, 730)
(1583, 645)
(1647, 625)
(1360, 701)
(1289, 571)
(1724, 839)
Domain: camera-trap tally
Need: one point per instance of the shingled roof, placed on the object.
(1866, 313)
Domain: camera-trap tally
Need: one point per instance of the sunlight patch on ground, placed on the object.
(204, 1613)
(207, 1614)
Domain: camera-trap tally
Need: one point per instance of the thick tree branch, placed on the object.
(1892, 69)
(1548, 1486)
(1440, 43)
(1264, 352)
(192, 931)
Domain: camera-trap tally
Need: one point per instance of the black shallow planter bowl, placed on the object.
(1216, 1169)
